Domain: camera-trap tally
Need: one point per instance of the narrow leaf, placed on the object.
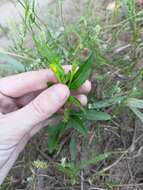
(96, 115)
(82, 74)
(93, 115)
(58, 71)
(136, 103)
(54, 135)
(73, 150)
(106, 103)
(138, 113)
(73, 100)
(76, 123)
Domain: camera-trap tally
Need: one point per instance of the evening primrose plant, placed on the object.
(104, 46)
(47, 52)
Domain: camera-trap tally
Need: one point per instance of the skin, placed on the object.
(26, 106)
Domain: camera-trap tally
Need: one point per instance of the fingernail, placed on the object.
(61, 91)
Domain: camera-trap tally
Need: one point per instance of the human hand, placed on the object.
(25, 107)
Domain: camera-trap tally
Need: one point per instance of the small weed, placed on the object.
(49, 54)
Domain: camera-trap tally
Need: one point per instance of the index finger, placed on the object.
(21, 84)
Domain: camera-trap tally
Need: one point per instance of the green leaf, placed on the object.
(71, 73)
(96, 115)
(76, 123)
(73, 150)
(54, 135)
(94, 160)
(9, 64)
(69, 169)
(73, 100)
(134, 102)
(138, 113)
(93, 115)
(106, 103)
(82, 74)
(58, 71)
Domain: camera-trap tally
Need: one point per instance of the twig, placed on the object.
(82, 181)
(114, 164)
(139, 153)
(120, 49)
(45, 156)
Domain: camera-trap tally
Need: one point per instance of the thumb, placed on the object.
(16, 126)
(42, 107)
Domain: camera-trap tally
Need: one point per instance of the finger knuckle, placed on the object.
(39, 108)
